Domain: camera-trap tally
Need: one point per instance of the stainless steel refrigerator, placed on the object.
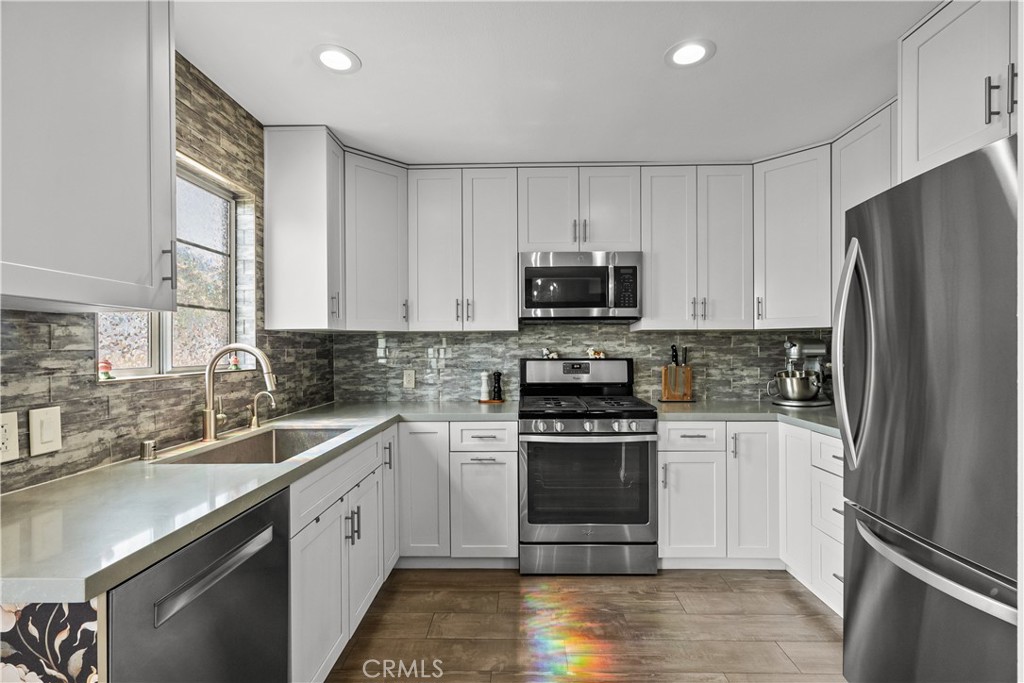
(924, 355)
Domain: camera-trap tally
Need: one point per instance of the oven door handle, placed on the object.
(584, 438)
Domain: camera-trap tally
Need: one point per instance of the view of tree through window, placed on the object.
(138, 342)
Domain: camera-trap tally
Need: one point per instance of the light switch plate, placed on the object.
(8, 436)
(44, 430)
(409, 379)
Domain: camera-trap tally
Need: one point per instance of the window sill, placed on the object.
(167, 375)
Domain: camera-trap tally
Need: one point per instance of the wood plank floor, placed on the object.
(495, 626)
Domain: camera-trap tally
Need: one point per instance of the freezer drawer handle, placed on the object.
(937, 581)
(172, 603)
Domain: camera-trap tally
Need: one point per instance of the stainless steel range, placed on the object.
(588, 497)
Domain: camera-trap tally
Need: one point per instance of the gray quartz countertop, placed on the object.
(74, 538)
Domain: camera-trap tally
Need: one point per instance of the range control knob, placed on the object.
(539, 426)
(616, 426)
(559, 426)
(588, 426)
(633, 426)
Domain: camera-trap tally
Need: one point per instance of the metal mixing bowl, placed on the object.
(795, 385)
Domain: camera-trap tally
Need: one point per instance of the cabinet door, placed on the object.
(435, 250)
(88, 155)
(793, 241)
(692, 504)
(490, 275)
(304, 204)
(668, 223)
(376, 239)
(423, 485)
(484, 504)
(725, 248)
(795, 500)
(319, 621)
(549, 209)
(827, 579)
(943, 99)
(753, 479)
(364, 562)
(610, 208)
(863, 165)
(389, 499)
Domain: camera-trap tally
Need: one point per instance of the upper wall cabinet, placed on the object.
(462, 245)
(88, 158)
(579, 209)
(956, 93)
(792, 241)
(863, 165)
(376, 245)
(303, 253)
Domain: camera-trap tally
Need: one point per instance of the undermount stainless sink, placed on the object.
(271, 446)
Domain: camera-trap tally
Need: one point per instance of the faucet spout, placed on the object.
(209, 413)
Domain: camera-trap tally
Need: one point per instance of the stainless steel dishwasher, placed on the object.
(216, 610)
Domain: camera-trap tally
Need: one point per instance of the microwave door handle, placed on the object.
(611, 287)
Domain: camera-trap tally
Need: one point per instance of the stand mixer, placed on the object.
(807, 380)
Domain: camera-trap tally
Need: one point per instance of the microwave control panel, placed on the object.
(625, 287)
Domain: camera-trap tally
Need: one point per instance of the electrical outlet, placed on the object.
(409, 379)
(8, 436)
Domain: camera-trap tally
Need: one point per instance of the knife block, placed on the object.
(677, 383)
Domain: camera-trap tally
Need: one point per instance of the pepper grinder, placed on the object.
(496, 388)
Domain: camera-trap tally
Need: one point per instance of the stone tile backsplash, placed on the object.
(726, 364)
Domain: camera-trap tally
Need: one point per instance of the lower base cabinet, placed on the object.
(692, 504)
(827, 569)
(484, 504)
(423, 482)
(363, 555)
(389, 498)
(795, 500)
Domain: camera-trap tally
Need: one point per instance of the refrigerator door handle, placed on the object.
(937, 581)
(854, 260)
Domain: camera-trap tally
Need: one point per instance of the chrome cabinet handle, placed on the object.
(173, 252)
(838, 457)
(664, 476)
(693, 306)
(483, 436)
(838, 511)
(1011, 88)
(575, 231)
(467, 310)
(854, 260)
(405, 310)
(175, 601)
(336, 304)
(358, 514)
(838, 578)
(989, 112)
(692, 436)
(482, 459)
(584, 229)
(351, 519)
(387, 449)
(937, 581)
(760, 308)
(458, 309)
(704, 308)
(735, 446)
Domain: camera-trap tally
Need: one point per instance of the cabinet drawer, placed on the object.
(691, 436)
(827, 453)
(318, 490)
(483, 436)
(827, 503)
(828, 569)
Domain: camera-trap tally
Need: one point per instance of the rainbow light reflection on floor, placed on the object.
(557, 625)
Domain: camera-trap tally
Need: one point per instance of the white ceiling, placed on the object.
(469, 82)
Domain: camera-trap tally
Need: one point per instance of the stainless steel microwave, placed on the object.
(580, 285)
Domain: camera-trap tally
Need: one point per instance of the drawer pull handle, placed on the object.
(837, 511)
(838, 578)
(483, 436)
(484, 459)
(692, 436)
(838, 457)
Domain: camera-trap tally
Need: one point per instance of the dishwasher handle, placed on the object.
(175, 601)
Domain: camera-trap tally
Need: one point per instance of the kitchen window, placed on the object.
(140, 343)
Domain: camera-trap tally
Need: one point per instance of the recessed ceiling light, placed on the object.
(690, 53)
(337, 59)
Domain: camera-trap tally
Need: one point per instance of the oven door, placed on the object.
(588, 489)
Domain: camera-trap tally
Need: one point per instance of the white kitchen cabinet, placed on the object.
(795, 500)
(376, 245)
(943, 67)
(363, 557)
(668, 221)
(303, 238)
(828, 454)
(484, 436)
(389, 498)
(88, 156)
(319, 625)
(792, 241)
(484, 504)
(692, 504)
(462, 245)
(725, 239)
(692, 436)
(752, 473)
(423, 484)
(827, 503)
(435, 249)
(579, 209)
(827, 569)
(863, 165)
(490, 275)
